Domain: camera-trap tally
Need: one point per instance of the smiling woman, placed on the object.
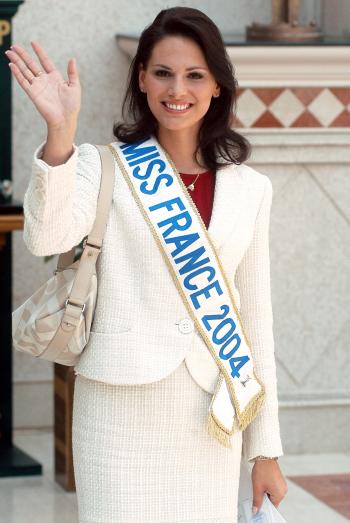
(178, 98)
(168, 394)
(181, 87)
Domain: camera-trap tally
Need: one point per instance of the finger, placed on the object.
(45, 61)
(21, 66)
(72, 72)
(258, 498)
(25, 62)
(23, 82)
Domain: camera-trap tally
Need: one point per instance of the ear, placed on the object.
(141, 77)
(217, 90)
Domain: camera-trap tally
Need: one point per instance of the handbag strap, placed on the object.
(103, 204)
(75, 303)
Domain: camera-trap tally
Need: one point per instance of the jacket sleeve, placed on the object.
(262, 436)
(60, 202)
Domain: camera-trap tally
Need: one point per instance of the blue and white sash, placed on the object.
(199, 277)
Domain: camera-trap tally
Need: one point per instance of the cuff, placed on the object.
(39, 162)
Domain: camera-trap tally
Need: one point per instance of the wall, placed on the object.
(310, 251)
(336, 17)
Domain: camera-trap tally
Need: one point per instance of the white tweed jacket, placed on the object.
(141, 330)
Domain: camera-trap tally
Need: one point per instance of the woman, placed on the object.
(146, 379)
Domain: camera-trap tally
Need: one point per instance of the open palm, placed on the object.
(56, 99)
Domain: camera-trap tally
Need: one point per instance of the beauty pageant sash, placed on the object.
(199, 277)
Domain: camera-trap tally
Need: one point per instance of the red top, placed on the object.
(203, 194)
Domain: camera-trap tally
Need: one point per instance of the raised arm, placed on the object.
(60, 201)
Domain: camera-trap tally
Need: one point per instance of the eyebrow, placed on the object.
(188, 68)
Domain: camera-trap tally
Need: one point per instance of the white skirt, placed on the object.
(142, 454)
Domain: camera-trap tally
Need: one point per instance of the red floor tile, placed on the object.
(332, 489)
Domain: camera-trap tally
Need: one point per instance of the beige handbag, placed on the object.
(55, 322)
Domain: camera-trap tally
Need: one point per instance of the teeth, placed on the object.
(177, 107)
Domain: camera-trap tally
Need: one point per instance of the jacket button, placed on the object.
(186, 325)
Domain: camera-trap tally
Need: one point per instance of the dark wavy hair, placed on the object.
(216, 136)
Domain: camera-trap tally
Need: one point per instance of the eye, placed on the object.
(198, 75)
(160, 71)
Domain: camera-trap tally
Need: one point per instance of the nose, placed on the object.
(177, 88)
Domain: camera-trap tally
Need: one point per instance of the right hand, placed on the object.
(57, 100)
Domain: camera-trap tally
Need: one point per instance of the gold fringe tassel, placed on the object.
(218, 433)
(251, 410)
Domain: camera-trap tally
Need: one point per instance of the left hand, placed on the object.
(267, 477)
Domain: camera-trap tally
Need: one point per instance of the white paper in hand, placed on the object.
(268, 512)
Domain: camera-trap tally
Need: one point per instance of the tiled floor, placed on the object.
(300, 506)
(39, 499)
(332, 489)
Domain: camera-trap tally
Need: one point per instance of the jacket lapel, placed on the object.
(227, 204)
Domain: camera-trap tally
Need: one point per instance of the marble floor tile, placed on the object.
(307, 464)
(332, 489)
(300, 506)
(36, 499)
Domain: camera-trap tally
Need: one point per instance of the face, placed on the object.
(177, 73)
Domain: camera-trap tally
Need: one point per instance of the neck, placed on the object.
(181, 146)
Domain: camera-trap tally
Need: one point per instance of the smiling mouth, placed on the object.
(177, 108)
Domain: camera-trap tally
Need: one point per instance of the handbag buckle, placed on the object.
(75, 304)
(85, 243)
